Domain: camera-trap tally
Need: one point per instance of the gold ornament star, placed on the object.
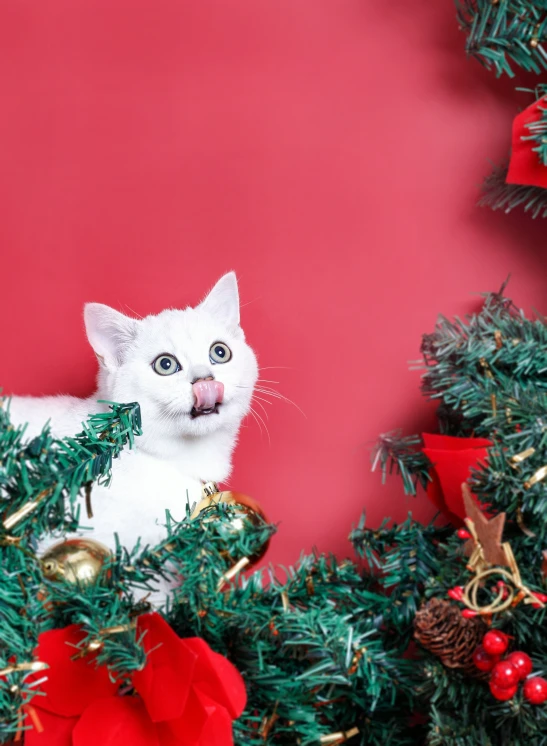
(487, 533)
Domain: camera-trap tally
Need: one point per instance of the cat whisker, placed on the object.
(256, 396)
(253, 415)
(273, 393)
(262, 407)
(262, 421)
(277, 395)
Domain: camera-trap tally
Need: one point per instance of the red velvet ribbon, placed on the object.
(525, 166)
(451, 462)
(186, 694)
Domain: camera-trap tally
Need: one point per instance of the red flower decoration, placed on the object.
(186, 694)
(525, 166)
(452, 459)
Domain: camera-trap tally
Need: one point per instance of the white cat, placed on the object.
(193, 375)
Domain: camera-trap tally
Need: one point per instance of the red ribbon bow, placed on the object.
(186, 694)
(525, 166)
(452, 459)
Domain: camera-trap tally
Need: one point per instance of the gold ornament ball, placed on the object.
(246, 509)
(75, 561)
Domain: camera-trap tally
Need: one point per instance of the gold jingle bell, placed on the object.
(75, 561)
(246, 509)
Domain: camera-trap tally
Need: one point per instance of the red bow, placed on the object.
(525, 166)
(452, 460)
(186, 694)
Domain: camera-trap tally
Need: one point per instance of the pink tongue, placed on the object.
(207, 394)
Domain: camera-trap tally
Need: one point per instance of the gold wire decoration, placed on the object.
(513, 591)
(339, 737)
(28, 666)
(97, 643)
(232, 572)
(15, 541)
(8, 541)
(13, 519)
(538, 476)
(518, 458)
(484, 365)
(514, 462)
(534, 41)
(520, 521)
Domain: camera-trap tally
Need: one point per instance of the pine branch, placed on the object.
(307, 645)
(490, 371)
(538, 129)
(498, 195)
(505, 33)
(403, 455)
(495, 352)
(41, 480)
(408, 556)
(311, 649)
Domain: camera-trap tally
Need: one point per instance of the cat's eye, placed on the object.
(219, 353)
(166, 365)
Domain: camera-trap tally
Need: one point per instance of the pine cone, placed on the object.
(440, 628)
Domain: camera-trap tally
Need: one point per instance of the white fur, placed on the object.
(176, 453)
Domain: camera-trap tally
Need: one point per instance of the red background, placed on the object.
(329, 152)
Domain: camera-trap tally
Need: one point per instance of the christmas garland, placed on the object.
(504, 35)
(438, 639)
(481, 623)
(85, 659)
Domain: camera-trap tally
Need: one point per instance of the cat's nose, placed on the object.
(200, 373)
(207, 393)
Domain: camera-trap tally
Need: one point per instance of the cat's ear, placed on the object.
(223, 300)
(109, 332)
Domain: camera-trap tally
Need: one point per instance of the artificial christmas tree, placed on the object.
(507, 36)
(317, 655)
(439, 640)
(488, 374)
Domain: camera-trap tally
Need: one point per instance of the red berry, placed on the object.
(463, 533)
(504, 675)
(521, 662)
(469, 613)
(540, 597)
(502, 589)
(535, 690)
(502, 693)
(456, 593)
(482, 660)
(495, 642)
